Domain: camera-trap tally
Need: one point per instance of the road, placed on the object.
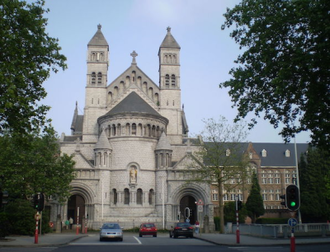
(133, 243)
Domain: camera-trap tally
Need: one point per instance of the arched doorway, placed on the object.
(76, 202)
(188, 209)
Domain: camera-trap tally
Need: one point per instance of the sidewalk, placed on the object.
(54, 239)
(246, 240)
(50, 240)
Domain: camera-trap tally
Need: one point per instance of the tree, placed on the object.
(254, 204)
(28, 55)
(314, 169)
(33, 163)
(284, 70)
(220, 159)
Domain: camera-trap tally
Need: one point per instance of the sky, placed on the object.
(207, 55)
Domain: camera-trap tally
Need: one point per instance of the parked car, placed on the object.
(182, 229)
(111, 230)
(148, 229)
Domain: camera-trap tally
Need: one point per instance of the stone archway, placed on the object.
(76, 205)
(188, 209)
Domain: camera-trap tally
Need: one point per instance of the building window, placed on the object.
(264, 153)
(126, 196)
(227, 152)
(114, 191)
(173, 82)
(214, 196)
(151, 196)
(167, 80)
(134, 129)
(139, 196)
(93, 77)
(99, 78)
(287, 153)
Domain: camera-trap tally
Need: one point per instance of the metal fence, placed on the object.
(281, 230)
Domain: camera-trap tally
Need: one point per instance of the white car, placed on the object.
(111, 230)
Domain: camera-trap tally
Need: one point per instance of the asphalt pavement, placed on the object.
(58, 239)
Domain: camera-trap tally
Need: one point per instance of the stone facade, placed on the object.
(130, 146)
(133, 154)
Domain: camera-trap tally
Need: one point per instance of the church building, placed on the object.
(131, 146)
(133, 153)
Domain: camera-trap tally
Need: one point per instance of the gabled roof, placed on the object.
(133, 103)
(98, 39)
(276, 153)
(169, 41)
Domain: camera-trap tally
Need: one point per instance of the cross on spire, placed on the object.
(134, 54)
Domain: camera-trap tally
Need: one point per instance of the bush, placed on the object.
(217, 223)
(20, 216)
(272, 221)
(4, 224)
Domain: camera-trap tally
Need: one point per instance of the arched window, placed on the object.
(139, 196)
(134, 129)
(93, 77)
(173, 80)
(287, 153)
(167, 80)
(99, 78)
(128, 129)
(126, 196)
(114, 191)
(151, 196)
(264, 153)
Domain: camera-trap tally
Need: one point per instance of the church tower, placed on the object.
(95, 99)
(169, 84)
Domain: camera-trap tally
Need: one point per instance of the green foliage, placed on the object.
(216, 220)
(20, 216)
(283, 73)
(32, 163)
(272, 221)
(230, 212)
(28, 55)
(254, 204)
(220, 158)
(4, 224)
(314, 171)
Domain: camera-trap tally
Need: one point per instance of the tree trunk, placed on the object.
(221, 213)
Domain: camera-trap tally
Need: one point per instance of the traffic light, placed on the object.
(292, 198)
(38, 201)
(239, 205)
(283, 197)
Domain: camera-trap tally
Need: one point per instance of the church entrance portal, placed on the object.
(188, 209)
(74, 202)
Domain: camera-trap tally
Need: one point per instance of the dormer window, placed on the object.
(227, 153)
(264, 153)
(287, 153)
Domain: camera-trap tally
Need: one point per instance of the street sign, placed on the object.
(292, 222)
(200, 202)
(200, 208)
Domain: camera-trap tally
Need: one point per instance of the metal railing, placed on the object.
(281, 230)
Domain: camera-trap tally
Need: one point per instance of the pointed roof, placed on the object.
(98, 39)
(163, 143)
(169, 41)
(133, 103)
(103, 142)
